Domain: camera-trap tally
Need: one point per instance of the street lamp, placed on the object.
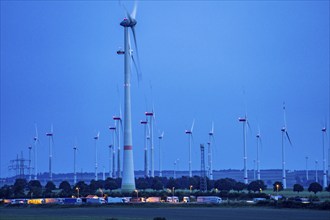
(137, 194)
(173, 191)
(277, 188)
(190, 188)
(216, 190)
(77, 189)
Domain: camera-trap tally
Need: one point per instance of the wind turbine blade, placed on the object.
(136, 48)
(52, 129)
(287, 135)
(212, 130)
(192, 126)
(133, 14)
(98, 135)
(137, 70)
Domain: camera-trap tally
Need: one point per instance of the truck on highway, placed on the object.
(153, 199)
(209, 199)
(117, 200)
(172, 199)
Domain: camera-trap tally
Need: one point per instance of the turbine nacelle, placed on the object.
(324, 129)
(188, 132)
(149, 114)
(283, 129)
(118, 118)
(128, 22)
(49, 134)
(242, 119)
(112, 128)
(144, 122)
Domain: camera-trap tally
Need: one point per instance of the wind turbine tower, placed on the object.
(190, 137)
(316, 168)
(74, 164)
(128, 181)
(36, 142)
(210, 143)
(324, 129)
(160, 138)
(30, 177)
(118, 125)
(51, 141)
(284, 134)
(112, 173)
(95, 145)
(306, 168)
(146, 168)
(150, 115)
(258, 136)
(244, 121)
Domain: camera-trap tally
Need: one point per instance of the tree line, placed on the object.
(33, 189)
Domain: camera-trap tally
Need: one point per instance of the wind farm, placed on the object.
(198, 73)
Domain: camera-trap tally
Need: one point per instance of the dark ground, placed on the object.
(107, 213)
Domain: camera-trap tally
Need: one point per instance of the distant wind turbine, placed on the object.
(119, 127)
(30, 177)
(324, 130)
(284, 134)
(210, 143)
(146, 167)
(151, 115)
(190, 137)
(36, 142)
(245, 122)
(160, 137)
(75, 163)
(112, 172)
(95, 144)
(258, 136)
(306, 168)
(51, 142)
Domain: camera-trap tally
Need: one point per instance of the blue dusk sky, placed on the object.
(212, 61)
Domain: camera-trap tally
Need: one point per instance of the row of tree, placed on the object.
(33, 188)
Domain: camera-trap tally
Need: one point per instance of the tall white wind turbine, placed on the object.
(284, 134)
(50, 135)
(190, 137)
(95, 145)
(128, 180)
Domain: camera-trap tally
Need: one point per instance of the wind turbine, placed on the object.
(150, 115)
(210, 164)
(30, 177)
(284, 134)
(112, 152)
(316, 168)
(128, 181)
(244, 121)
(190, 137)
(36, 142)
(160, 137)
(118, 125)
(146, 168)
(324, 130)
(74, 163)
(258, 136)
(51, 142)
(95, 144)
(306, 168)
